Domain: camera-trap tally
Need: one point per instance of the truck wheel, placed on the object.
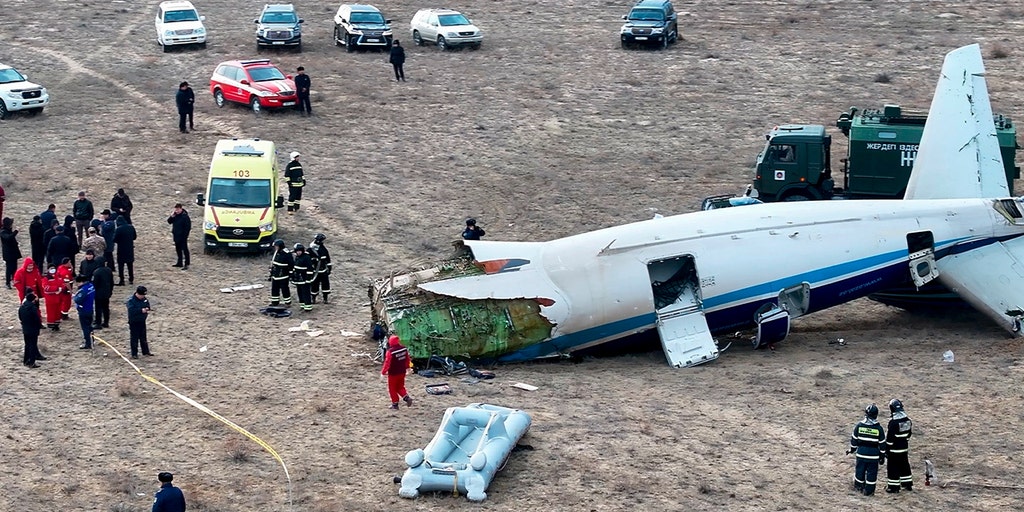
(254, 104)
(218, 98)
(417, 39)
(796, 196)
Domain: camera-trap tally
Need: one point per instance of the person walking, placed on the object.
(868, 442)
(31, 324)
(302, 276)
(897, 443)
(9, 249)
(181, 225)
(322, 267)
(280, 272)
(28, 278)
(169, 498)
(138, 311)
(185, 99)
(397, 363)
(53, 289)
(103, 281)
(397, 60)
(122, 204)
(472, 231)
(124, 237)
(302, 86)
(83, 212)
(296, 180)
(85, 301)
(35, 237)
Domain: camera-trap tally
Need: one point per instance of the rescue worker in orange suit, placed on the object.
(28, 277)
(302, 276)
(396, 363)
(66, 273)
(868, 442)
(280, 272)
(898, 449)
(322, 263)
(53, 290)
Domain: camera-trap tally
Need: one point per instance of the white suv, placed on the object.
(446, 28)
(17, 93)
(178, 23)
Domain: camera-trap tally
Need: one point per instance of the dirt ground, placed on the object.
(549, 130)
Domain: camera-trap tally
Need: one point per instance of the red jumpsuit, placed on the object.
(53, 290)
(396, 363)
(66, 274)
(29, 276)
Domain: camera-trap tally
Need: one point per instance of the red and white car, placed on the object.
(256, 83)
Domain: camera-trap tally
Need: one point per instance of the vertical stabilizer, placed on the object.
(959, 153)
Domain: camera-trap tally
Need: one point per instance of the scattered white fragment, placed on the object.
(349, 333)
(242, 288)
(226, 290)
(305, 344)
(315, 333)
(947, 356)
(527, 387)
(304, 326)
(202, 348)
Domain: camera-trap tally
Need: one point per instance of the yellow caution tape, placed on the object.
(208, 411)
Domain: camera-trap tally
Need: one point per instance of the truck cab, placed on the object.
(794, 164)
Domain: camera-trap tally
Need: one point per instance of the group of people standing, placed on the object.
(872, 446)
(308, 269)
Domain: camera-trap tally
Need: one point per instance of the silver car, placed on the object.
(445, 28)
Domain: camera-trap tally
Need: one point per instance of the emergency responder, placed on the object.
(169, 498)
(396, 364)
(898, 448)
(472, 231)
(302, 276)
(322, 261)
(296, 180)
(280, 272)
(868, 442)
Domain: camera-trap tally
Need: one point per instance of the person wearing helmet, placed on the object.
(302, 276)
(322, 268)
(868, 442)
(898, 447)
(472, 231)
(296, 180)
(280, 271)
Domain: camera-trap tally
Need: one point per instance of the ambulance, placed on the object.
(241, 200)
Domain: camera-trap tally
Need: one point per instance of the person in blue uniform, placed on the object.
(472, 231)
(868, 442)
(169, 498)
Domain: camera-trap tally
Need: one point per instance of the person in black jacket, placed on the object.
(898, 448)
(302, 86)
(48, 234)
(280, 272)
(296, 178)
(48, 216)
(397, 59)
(302, 276)
(322, 266)
(169, 498)
(138, 310)
(472, 231)
(122, 204)
(103, 280)
(69, 231)
(89, 264)
(185, 99)
(181, 225)
(60, 247)
(124, 237)
(35, 236)
(10, 250)
(31, 324)
(107, 230)
(868, 442)
(82, 214)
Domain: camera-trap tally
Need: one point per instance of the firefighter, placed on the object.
(280, 272)
(302, 276)
(322, 262)
(293, 173)
(868, 442)
(898, 447)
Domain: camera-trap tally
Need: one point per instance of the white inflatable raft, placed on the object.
(471, 445)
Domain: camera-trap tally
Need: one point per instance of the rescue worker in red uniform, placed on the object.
(28, 277)
(898, 448)
(396, 363)
(868, 442)
(66, 273)
(53, 290)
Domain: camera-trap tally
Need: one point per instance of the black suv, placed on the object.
(650, 22)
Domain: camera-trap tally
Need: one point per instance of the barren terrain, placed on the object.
(549, 130)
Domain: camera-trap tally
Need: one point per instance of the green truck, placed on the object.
(795, 164)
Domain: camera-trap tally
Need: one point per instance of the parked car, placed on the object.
(17, 93)
(358, 25)
(256, 83)
(650, 22)
(279, 25)
(178, 23)
(446, 28)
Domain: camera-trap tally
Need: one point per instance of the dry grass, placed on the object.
(238, 449)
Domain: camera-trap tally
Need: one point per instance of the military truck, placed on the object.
(795, 164)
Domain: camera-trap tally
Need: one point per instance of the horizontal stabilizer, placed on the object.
(990, 278)
(959, 153)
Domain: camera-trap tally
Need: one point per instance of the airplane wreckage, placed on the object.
(695, 275)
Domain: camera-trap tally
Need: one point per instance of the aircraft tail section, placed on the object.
(959, 153)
